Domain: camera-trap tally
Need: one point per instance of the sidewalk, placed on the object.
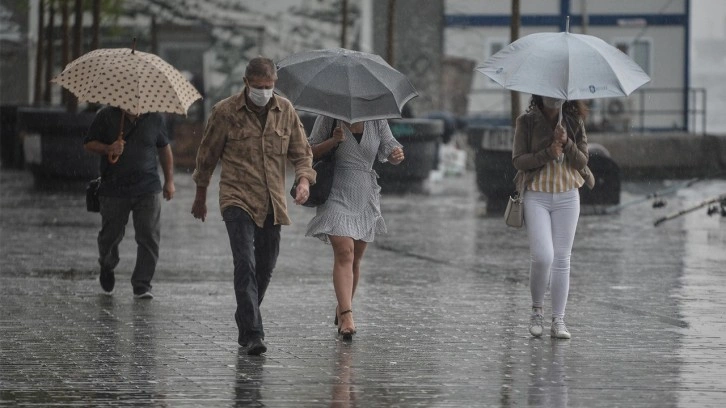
(442, 311)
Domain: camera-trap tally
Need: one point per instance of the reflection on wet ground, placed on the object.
(441, 310)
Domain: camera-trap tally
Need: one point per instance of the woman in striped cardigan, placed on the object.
(550, 154)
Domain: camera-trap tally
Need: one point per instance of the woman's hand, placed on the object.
(338, 135)
(396, 157)
(555, 150)
(560, 134)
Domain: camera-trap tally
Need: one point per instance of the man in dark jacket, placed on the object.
(130, 184)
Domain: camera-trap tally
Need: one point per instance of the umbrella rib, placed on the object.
(331, 85)
(619, 74)
(320, 69)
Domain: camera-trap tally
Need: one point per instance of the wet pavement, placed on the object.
(441, 311)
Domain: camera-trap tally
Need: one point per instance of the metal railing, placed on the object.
(645, 110)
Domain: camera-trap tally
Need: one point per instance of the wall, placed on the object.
(14, 78)
(473, 26)
(418, 46)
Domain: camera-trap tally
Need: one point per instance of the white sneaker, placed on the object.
(535, 325)
(558, 329)
(146, 295)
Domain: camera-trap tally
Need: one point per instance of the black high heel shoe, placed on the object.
(347, 334)
(335, 322)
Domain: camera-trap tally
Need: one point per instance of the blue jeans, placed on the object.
(254, 251)
(115, 213)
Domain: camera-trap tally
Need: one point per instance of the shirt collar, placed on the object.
(241, 101)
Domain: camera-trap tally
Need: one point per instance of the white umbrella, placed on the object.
(564, 66)
(352, 86)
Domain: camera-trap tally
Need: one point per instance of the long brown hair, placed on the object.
(576, 108)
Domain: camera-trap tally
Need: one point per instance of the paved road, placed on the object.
(441, 311)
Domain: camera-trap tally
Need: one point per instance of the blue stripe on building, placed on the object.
(494, 20)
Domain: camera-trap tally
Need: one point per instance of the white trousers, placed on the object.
(551, 221)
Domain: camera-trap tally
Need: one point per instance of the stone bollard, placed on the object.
(495, 173)
(420, 139)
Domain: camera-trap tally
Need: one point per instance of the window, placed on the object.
(639, 50)
(493, 46)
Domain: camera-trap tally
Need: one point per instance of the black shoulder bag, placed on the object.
(324, 167)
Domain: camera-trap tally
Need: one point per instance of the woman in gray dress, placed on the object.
(351, 216)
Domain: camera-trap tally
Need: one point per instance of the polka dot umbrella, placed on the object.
(137, 82)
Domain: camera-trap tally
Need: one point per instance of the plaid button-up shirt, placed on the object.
(253, 158)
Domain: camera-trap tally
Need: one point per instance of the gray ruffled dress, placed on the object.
(353, 207)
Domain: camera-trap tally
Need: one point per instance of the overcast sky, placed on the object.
(708, 19)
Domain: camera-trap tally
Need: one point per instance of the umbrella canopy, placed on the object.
(564, 66)
(351, 86)
(135, 81)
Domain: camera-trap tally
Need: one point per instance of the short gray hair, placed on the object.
(261, 67)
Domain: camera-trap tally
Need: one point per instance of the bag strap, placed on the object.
(332, 128)
(330, 136)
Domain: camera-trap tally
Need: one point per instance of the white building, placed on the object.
(654, 33)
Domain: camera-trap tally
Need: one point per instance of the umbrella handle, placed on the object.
(561, 157)
(113, 158)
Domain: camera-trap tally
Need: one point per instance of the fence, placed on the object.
(645, 110)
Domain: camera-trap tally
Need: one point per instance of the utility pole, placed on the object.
(77, 46)
(344, 24)
(65, 49)
(49, 56)
(391, 30)
(38, 91)
(96, 25)
(514, 35)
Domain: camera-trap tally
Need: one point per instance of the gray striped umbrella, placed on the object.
(135, 81)
(352, 86)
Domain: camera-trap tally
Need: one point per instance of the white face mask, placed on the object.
(552, 103)
(259, 96)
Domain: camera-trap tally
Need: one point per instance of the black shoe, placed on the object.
(107, 280)
(241, 338)
(256, 347)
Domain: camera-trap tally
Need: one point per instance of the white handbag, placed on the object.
(514, 214)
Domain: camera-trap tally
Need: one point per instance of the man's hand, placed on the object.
(169, 190)
(302, 192)
(116, 148)
(199, 208)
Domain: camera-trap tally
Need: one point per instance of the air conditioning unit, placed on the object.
(615, 114)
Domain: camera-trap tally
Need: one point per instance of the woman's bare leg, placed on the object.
(359, 247)
(343, 279)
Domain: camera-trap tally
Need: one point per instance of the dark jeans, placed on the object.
(254, 251)
(115, 212)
